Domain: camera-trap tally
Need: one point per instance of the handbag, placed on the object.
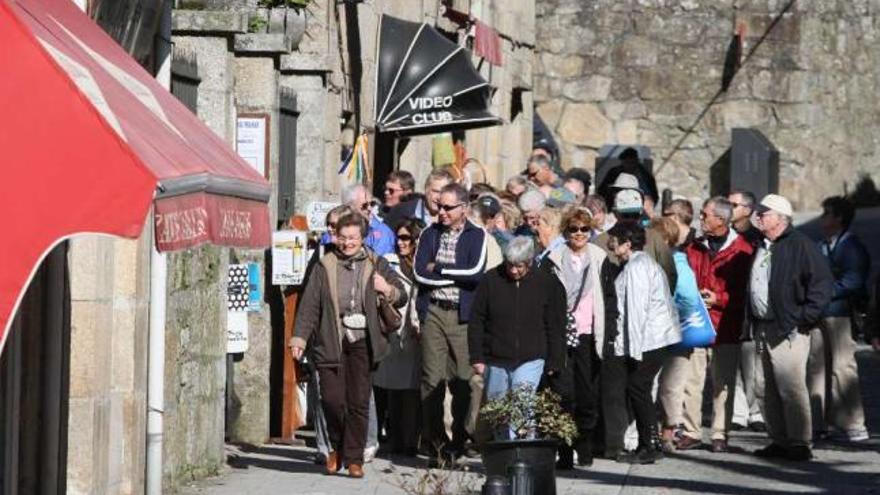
(390, 318)
(693, 317)
(571, 335)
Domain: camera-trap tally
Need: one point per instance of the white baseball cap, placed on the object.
(626, 181)
(628, 201)
(775, 203)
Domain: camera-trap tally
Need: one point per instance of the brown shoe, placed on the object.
(688, 443)
(332, 466)
(719, 446)
(355, 470)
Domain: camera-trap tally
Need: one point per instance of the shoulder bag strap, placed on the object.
(577, 301)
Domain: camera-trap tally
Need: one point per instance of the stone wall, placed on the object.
(108, 364)
(641, 71)
(195, 365)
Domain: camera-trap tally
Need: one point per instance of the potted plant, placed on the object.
(536, 422)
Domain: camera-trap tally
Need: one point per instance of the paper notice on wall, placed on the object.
(289, 250)
(236, 332)
(316, 214)
(255, 293)
(250, 141)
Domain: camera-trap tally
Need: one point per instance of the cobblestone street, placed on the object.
(837, 468)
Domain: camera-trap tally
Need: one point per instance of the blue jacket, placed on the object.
(380, 238)
(850, 263)
(465, 273)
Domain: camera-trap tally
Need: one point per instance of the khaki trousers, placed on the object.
(724, 362)
(832, 370)
(673, 378)
(692, 414)
(786, 398)
(445, 362)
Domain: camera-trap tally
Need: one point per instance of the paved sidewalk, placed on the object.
(844, 469)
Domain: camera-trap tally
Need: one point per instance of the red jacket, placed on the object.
(727, 275)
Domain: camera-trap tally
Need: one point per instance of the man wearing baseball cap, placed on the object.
(790, 286)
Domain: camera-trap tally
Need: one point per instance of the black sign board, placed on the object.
(425, 83)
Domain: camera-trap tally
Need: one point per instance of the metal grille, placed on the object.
(185, 78)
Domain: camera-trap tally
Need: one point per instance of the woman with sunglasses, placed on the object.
(588, 276)
(400, 371)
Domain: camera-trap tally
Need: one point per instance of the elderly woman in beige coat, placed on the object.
(588, 278)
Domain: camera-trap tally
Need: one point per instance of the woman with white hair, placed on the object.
(515, 331)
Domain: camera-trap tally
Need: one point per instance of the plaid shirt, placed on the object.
(446, 255)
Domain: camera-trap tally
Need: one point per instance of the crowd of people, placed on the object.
(544, 284)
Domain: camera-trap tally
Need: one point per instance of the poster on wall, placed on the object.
(316, 214)
(250, 140)
(237, 288)
(255, 295)
(289, 257)
(236, 332)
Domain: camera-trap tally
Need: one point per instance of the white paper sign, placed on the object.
(250, 141)
(236, 331)
(289, 251)
(316, 214)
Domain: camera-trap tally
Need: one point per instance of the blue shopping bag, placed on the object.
(696, 325)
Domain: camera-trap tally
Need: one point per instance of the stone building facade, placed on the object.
(641, 71)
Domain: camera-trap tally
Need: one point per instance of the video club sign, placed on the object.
(430, 110)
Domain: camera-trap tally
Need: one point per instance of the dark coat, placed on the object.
(801, 283)
(465, 273)
(850, 264)
(318, 323)
(515, 322)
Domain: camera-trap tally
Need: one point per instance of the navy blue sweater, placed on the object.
(465, 273)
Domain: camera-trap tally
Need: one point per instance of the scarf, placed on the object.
(571, 277)
(350, 282)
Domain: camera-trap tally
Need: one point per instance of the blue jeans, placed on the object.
(500, 379)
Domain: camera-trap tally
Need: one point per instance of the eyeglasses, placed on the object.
(582, 229)
(404, 237)
(345, 240)
(448, 208)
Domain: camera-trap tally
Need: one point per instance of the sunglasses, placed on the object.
(449, 207)
(583, 230)
(391, 190)
(367, 205)
(404, 237)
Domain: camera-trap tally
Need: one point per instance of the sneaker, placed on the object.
(799, 453)
(370, 453)
(859, 435)
(772, 451)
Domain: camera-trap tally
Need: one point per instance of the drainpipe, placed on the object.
(158, 285)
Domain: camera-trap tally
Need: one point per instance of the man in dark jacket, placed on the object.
(449, 264)
(515, 331)
(832, 364)
(720, 260)
(790, 286)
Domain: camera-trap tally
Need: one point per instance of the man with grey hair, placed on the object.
(790, 286)
(516, 329)
(449, 264)
(530, 204)
(540, 171)
(720, 261)
(380, 239)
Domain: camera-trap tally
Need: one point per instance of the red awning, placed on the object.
(89, 140)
